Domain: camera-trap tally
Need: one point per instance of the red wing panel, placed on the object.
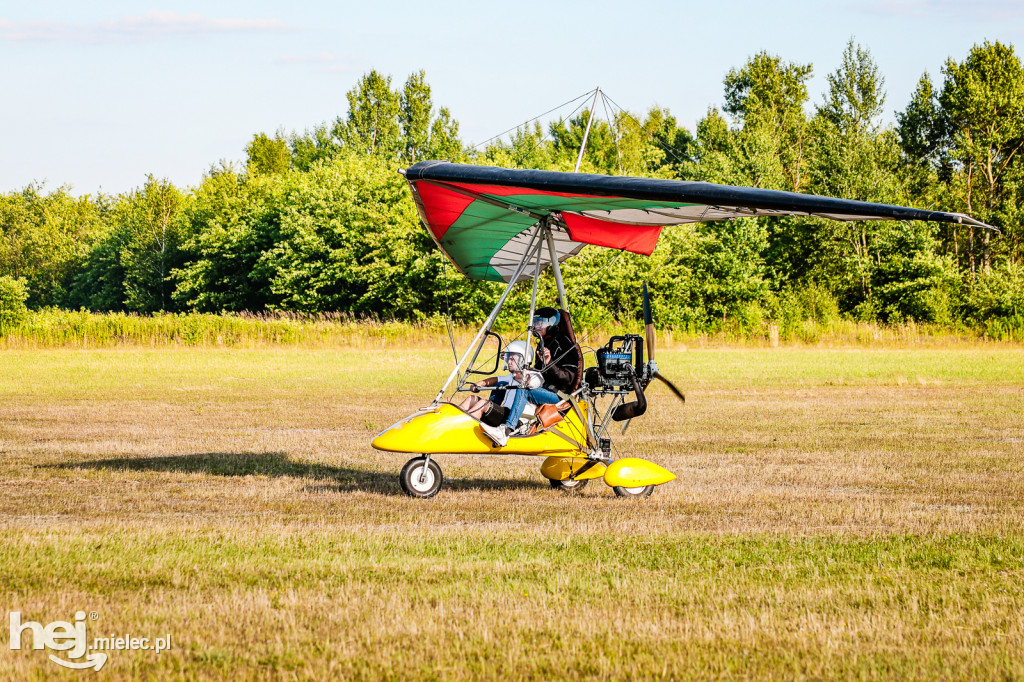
(635, 238)
(442, 206)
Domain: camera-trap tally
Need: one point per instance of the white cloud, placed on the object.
(153, 24)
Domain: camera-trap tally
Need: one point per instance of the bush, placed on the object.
(13, 294)
(996, 293)
(995, 301)
(796, 307)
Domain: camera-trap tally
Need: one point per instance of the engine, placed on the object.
(618, 361)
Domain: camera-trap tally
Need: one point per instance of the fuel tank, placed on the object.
(564, 468)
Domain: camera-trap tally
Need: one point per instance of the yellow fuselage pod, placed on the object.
(633, 472)
(447, 429)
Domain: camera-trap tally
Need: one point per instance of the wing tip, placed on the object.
(964, 219)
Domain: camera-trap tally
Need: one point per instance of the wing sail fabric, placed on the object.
(484, 218)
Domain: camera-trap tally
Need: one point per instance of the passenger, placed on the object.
(521, 386)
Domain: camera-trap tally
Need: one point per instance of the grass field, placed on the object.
(838, 513)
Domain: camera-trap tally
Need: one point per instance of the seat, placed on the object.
(565, 323)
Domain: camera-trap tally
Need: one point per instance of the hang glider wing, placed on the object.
(483, 218)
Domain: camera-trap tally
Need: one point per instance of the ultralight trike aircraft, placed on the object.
(509, 226)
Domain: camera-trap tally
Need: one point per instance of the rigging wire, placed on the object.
(641, 128)
(586, 94)
(561, 119)
(582, 99)
(593, 276)
(614, 129)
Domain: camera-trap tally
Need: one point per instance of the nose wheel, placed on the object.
(421, 477)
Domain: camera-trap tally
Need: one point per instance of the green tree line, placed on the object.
(321, 221)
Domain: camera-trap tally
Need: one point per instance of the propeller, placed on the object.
(628, 411)
(649, 328)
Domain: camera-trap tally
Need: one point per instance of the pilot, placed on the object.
(558, 355)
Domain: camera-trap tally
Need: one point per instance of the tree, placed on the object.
(676, 144)
(314, 145)
(527, 148)
(767, 96)
(268, 155)
(919, 128)
(230, 223)
(855, 94)
(151, 220)
(129, 264)
(44, 238)
(372, 126)
(881, 268)
(982, 102)
(444, 137)
(424, 135)
(350, 240)
(398, 126)
(651, 146)
(416, 110)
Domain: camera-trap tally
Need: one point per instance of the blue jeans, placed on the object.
(537, 396)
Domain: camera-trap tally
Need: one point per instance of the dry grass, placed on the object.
(837, 514)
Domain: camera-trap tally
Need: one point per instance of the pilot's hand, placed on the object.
(545, 355)
(473, 387)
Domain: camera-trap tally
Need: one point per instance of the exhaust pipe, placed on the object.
(632, 409)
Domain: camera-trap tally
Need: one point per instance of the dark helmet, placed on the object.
(545, 319)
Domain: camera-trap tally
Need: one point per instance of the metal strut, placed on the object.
(426, 465)
(531, 249)
(586, 133)
(556, 268)
(533, 295)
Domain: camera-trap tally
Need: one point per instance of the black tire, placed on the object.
(638, 492)
(568, 486)
(410, 478)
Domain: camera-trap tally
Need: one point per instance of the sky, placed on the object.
(98, 95)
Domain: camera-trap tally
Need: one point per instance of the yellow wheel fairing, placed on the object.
(562, 468)
(633, 472)
(447, 429)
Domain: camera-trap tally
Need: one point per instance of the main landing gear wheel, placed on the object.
(421, 481)
(568, 486)
(638, 492)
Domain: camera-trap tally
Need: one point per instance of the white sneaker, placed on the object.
(496, 433)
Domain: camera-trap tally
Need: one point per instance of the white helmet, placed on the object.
(521, 351)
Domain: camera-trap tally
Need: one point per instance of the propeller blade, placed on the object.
(648, 323)
(672, 387)
(648, 319)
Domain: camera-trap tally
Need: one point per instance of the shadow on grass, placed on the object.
(277, 464)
